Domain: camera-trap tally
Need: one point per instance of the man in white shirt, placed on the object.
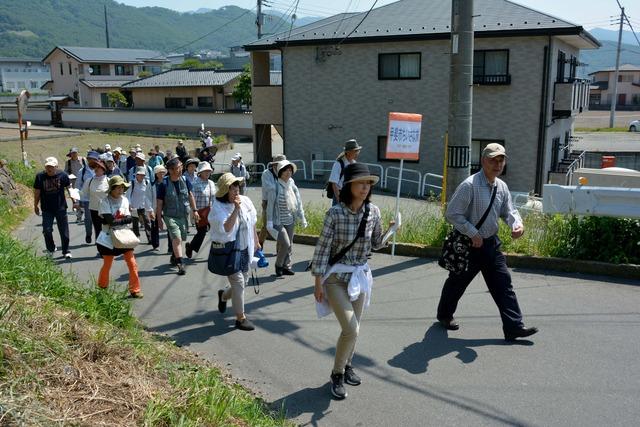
(349, 155)
(208, 141)
(140, 195)
(268, 179)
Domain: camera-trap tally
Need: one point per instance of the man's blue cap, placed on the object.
(93, 155)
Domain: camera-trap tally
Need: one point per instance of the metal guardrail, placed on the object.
(425, 184)
(320, 166)
(577, 164)
(255, 169)
(302, 167)
(402, 178)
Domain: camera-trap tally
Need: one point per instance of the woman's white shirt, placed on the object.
(218, 216)
(96, 188)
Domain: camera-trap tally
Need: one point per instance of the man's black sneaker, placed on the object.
(350, 377)
(337, 386)
(188, 250)
(287, 271)
(87, 238)
(245, 325)
(181, 270)
(173, 260)
(278, 271)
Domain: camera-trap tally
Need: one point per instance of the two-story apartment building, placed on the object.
(88, 74)
(22, 73)
(602, 82)
(335, 87)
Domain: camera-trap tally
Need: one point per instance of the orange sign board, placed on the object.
(403, 137)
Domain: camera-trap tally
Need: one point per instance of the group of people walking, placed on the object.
(352, 228)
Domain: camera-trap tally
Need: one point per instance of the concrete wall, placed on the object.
(161, 121)
(326, 103)
(36, 115)
(607, 178)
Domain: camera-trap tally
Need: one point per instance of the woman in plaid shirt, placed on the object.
(344, 285)
(203, 191)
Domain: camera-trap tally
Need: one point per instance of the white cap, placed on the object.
(51, 161)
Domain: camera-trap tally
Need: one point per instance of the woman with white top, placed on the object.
(284, 209)
(233, 218)
(343, 280)
(141, 200)
(349, 155)
(115, 213)
(95, 189)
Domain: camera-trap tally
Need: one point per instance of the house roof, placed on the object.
(110, 55)
(186, 78)
(10, 59)
(103, 83)
(599, 85)
(420, 20)
(624, 67)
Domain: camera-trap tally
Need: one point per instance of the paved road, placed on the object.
(600, 119)
(582, 369)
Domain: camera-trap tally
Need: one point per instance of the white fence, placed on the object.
(323, 166)
(432, 187)
(411, 172)
(302, 167)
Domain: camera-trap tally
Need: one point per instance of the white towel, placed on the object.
(361, 283)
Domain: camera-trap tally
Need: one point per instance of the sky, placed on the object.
(588, 13)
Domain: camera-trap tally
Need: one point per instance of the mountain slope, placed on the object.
(605, 57)
(34, 27)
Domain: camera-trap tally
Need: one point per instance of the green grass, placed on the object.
(605, 129)
(74, 354)
(614, 240)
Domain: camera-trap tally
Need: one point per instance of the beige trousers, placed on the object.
(235, 292)
(348, 314)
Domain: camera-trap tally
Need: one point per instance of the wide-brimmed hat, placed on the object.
(73, 150)
(107, 147)
(352, 145)
(132, 150)
(359, 172)
(140, 155)
(158, 169)
(180, 142)
(51, 161)
(106, 157)
(118, 150)
(100, 164)
(284, 163)
(141, 170)
(116, 181)
(204, 166)
(191, 162)
(225, 181)
(93, 155)
(277, 158)
(236, 156)
(494, 150)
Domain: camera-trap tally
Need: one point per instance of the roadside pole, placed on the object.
(614, 97)
(460, 94)
(403, 142)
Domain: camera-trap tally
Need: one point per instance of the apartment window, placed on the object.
(562, 61)
(124, 70)
(491, 67)
(205, 101)
(594, 98)
(382, 151)
(33, 85)
(152, 69)
(626, 78)
(99, 70)
(11, 85)
(399, 66)
(70, 70)
(477, 145)
(61, 69)
(635, 99)
(178, 102)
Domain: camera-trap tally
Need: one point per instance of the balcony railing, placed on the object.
(570, 98)
(492, 79)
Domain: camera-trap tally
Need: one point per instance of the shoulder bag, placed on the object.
(456, 247)
(224, 258)
(123, 238)
(329, 187)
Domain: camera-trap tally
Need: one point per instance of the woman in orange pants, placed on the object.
(115, 213)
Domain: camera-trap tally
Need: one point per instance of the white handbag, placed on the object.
(124, 238)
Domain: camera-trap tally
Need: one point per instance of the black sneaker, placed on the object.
(287, 272)
(337, 386)
(222, 304)
(245, 325)
(350, 377)
(188, 250)
(181, 270)
(278, 271)
(173, 260)
(87, 238)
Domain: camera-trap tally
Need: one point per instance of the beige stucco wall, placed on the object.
(326, 103)
(63, 83)
(153, 98)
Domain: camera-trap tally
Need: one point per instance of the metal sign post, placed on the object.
(403, 142)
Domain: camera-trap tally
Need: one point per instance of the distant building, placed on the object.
(397, 59)
(88, 74)
(601, 93)
(23, 73)
(197, 89)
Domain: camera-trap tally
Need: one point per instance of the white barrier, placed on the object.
(255, 168)
(418, 182)
(596, 201)
(320, 166)
(375, 167)
(302, 167)
(220, 167)
(432, 186)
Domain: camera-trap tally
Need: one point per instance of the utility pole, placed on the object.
(614, 99)
(259, 19)
(460, 94)
(106, 25)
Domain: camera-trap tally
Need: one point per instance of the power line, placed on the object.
(293, 19)
(359, 23)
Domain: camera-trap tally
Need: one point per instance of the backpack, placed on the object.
(329, 187)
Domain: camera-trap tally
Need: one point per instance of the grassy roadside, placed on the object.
(603, 129)
(76, 356)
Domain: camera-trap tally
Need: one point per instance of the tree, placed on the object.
(242, 90)
(116, 99)
(193, 63)
(143, 74)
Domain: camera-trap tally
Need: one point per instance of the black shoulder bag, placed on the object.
(329, 186)
(456, 246)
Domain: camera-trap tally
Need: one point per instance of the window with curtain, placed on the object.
(399, 66)
(491, 67)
